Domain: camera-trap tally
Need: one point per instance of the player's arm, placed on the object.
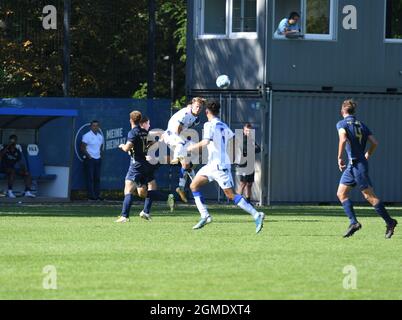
(206, 139)
(84, 151)
(178, 128)
(373, 146)
(341, 148)
(127, 146)
(201, 144)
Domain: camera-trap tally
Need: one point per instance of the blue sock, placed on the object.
(148, 200)
(200, 203)
(181, 174)
(350, 212)
(237, 199)
(242, 203)
(380, 209)
(128, 200)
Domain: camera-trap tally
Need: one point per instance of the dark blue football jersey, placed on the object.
(357, 133)
(138, 137)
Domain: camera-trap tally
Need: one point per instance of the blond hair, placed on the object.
(349, 106)
(136, 116)
(199, 100)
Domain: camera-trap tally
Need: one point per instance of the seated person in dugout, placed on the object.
(289, 27)
(12, 164)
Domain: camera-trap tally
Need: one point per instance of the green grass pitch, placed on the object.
(300, 254)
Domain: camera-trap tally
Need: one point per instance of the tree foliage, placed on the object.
(394, 19)
(108, 48)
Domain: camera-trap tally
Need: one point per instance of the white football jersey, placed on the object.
(219, 135)
(183, 117)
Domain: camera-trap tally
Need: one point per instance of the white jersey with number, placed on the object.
(182, 117)
(219, 135)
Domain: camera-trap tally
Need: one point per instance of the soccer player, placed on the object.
(140, 172)
(353, 136)
(179, 122)
(216, 137)
(152, 193)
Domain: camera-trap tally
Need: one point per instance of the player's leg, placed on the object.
(182, 181)
(129, 188)
(176, 143)
(361, 173)
(347, 204)
(225, 181)
(379, 207)
(151, 195)
(343, 196)
(142, 191)
(346, 184)
(200, 180)
(10, 172)
(242, 203)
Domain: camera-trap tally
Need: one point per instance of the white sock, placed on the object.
(192, 173)
(189, 174)
(242, 203)
(202, 208)
(182, 182)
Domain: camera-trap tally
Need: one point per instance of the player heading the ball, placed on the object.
(182, 120)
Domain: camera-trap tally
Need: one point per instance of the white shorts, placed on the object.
(222, 177)
(179, 146)
(175, 142)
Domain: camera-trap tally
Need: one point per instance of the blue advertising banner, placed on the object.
(113, 115)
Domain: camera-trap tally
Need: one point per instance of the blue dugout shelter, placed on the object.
(52, 182)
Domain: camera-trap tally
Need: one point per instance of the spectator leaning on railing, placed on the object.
(289, 27)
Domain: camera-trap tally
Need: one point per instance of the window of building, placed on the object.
(226, 18)
(318, 14)
(244, 16)
(317, 17)
(214, 16)
(393, 20)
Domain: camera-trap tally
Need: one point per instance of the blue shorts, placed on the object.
(357, 174)
(141, 173)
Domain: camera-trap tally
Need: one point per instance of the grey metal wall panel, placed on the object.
(358, 60)
(238, 109)
(304, 145)
(240, 59)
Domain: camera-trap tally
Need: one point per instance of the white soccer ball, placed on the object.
(223, 81)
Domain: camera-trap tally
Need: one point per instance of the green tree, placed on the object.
(108, 48)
